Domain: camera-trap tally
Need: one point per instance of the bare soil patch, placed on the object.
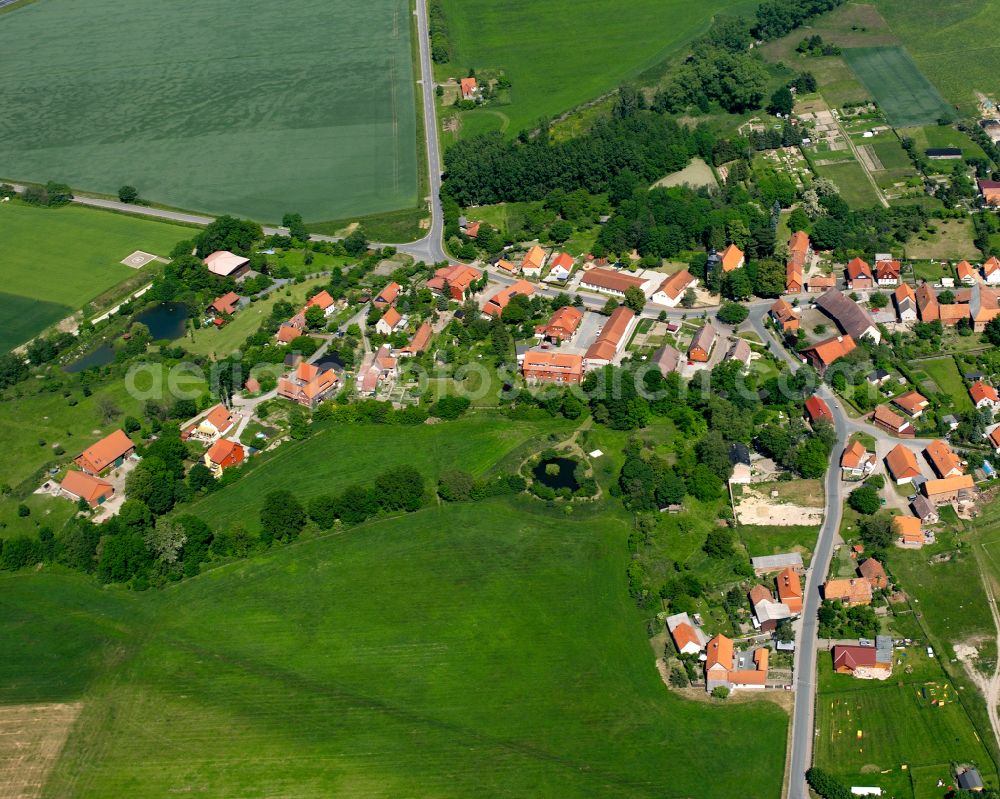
(31, 737)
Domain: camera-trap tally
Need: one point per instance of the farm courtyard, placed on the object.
(252, 108)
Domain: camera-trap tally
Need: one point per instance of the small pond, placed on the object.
(564, 478)
(102, 356)
(165, 321)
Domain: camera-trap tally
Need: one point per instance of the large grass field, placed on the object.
(849, 176)
(54, 260)
(249, 107)
(476, 650)
(559, 54)
(953, 43)
(944, 372)
(897, 84)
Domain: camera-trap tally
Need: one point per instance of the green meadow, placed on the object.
(560, 54)
(897, 84)
(478, 649)
(251, 107)
(55, 260)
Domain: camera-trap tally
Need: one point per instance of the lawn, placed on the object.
(867, 727)
(765, 540)
(305, 106)
(852, 181)
(944, 372)
(351, 453)
(448, 654)
(559, 54)
(56, 260)
(696, 175)
(951, 242)
(953, 43)
(220, 342)
(903, 93)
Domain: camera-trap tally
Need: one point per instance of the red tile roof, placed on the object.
(87, 487)
(225, 453)
(817, 409)
(732, 258)
(980, 391)
(611, 338)
(102, 454)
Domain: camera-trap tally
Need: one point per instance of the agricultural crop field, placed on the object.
(55, 260)
(954, 44)
(491, 651)
(903, 93)
(303, 106)
(560, 54)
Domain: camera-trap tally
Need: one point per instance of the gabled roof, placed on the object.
(563, 259)
(907, 526)
(882, 415)
(980, 391)
(223, 262)
(323, 300)
(903, 292)
(853, 455)
(226, 303)
(225, 450)
(612, 334)
(703, 339)
(991, 266)
(101, 454)
(829, 350)
(960, 483)
(731, 258)
(86, 486)
(534, 258)
(798, 245)
(667, 359)
(818, 409)
(220, 418)
(760, 593)
(782, 311)
(286, 334)
(389, 293)
(859, 268)
(740, 351)
(719, 652)
(420, 339)
(392, 317)
(565, 320)
(942, 458)
(468, 85)
(853, 657)
(871, 569)
(789, 584)
(684, 634)
(848, 315)
(609, 279)
(902, 463)
(676, 284)
(912, 402)
(888, 270)
(495, 305)
(854, 591)
(964, 269)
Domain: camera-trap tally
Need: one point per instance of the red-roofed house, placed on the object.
(561, 266)
(965, 273)
(108, 453)
(893, 422)
(472, 230)
(817, 409)
(887, 272)
(457, 280)
(984, 396)
(226, 304)
(533, 261)
(612, 339)
(798, 253)
(732, 258)
(552, 367)
(994, 438)
(216, 422)
(671, 290)
(387, 296)
(912, 403)
(784, 316)
(93, 490)
(307, 385)
(561, 325)
(990, 189)
(861, 661)
(494, 305)
(859, 275)
(286, 334)
(418, 343)
(856, 463)
(943, 459)
(902, 464)
(391, 321)
(222, 455)
(469, 88)
(790, 589)
(991, 271)
(823, 353)
(323, 301)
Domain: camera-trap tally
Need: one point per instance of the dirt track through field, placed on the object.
(991, 686)
(31, 737)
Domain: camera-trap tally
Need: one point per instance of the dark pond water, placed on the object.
(165, 321)
(102, 356)
(564, 479)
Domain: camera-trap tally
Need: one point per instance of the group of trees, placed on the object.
(51, 195)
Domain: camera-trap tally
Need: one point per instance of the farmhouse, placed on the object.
(798, 253)
(215, 424)
(667, 359)
(226, 304)
(607, 281)
(552, 367)
(856, 462)
(287, 334)
(672, 289)
(561, 266)
(93, 490)
(724, 668)
(418, 344)
(850, 317)
(766, 612)
(323, 301)
(902, 464)
(874, 573)
(817, 410)
(852, 591)
(822, 354)
(533, 261)
(887, 272)
(307, 385)
(494, 305)
(222, 455)
(965, 273)
(984, 396)
(906, 303)
(454, 281)
(469, 88)
(909, 532)
(924, 509)
(108, 453)
(391, 321)
(688, 636)
(817, 284)
(226, 264)
(893, 422)
(562, 324)
(949, 489)
(732, 258)
(863, 662)
(944, 461)
(912, 403)
(859, 275)
(983, 306)
(784, 316)
(991, 271)
(702, 343)
(387, 296)
(613, 338)
(990, 191)
(790, 589)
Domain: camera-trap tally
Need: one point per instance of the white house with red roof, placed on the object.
(323, 301)
(561, 266)
(689, 638)
(991, 271)
(984, 396)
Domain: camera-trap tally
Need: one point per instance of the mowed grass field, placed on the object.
(944, 372)
(559, 54)
(953, 43)
(54, 260)
(470, 650)
(898, 85)
(224, 106)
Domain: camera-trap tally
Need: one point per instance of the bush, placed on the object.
(720, 692)
(732, 313)
(864, 500)
(825, 785)
(450, 407)
(455, 486)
